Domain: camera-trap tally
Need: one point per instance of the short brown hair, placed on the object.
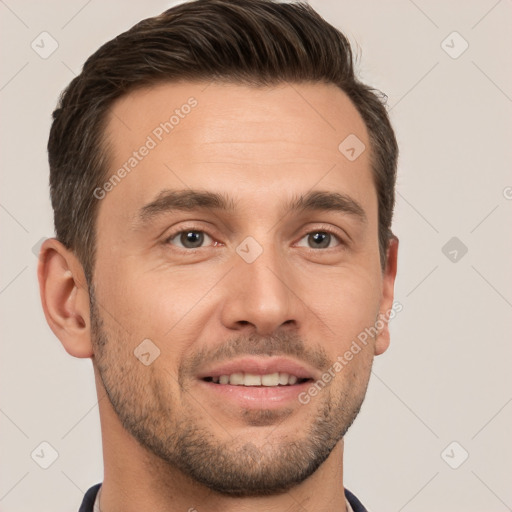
(251, 42)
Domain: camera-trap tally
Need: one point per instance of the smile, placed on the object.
(257, 382)
(251, 379)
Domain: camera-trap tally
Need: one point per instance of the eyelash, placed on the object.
(325, 229)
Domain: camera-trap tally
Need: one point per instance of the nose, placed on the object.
(262, 296)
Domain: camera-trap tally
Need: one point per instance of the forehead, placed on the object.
(257, 142)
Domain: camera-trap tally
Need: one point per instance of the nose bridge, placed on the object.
(261, 277)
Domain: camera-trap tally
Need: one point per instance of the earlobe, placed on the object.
(388, 293)
(65, 297)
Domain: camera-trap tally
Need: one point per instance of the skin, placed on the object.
(261, 147)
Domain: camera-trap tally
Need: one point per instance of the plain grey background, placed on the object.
(441, 393)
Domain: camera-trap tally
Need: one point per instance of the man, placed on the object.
(223, 188)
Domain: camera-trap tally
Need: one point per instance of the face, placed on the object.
(237, 261)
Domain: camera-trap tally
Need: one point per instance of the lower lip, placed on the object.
(256, 397)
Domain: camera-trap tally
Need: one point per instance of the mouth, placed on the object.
(269, 371)
(257, 382)
(276, 379)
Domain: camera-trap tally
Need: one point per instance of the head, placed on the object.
(209, 219)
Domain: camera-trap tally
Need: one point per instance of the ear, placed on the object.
(65, 297)
(388, 293)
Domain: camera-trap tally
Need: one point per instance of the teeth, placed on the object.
(270, 380)
(250, 379)
(236, 379)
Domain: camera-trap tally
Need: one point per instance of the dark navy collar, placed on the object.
(356, 505)
(90, 496)
(88, 501)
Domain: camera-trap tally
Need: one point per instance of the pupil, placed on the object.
(321, 239)
(192, 239)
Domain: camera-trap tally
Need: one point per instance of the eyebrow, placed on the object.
(327, 201)
(184, 200)
(189, 200)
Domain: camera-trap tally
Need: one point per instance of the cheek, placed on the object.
(151, 303)
(168, 308)
(347, 301)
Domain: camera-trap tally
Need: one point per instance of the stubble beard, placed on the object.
(177, 430)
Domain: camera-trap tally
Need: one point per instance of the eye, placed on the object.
(321, 239)
(189, 239)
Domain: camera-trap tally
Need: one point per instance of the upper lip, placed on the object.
(259, 366)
